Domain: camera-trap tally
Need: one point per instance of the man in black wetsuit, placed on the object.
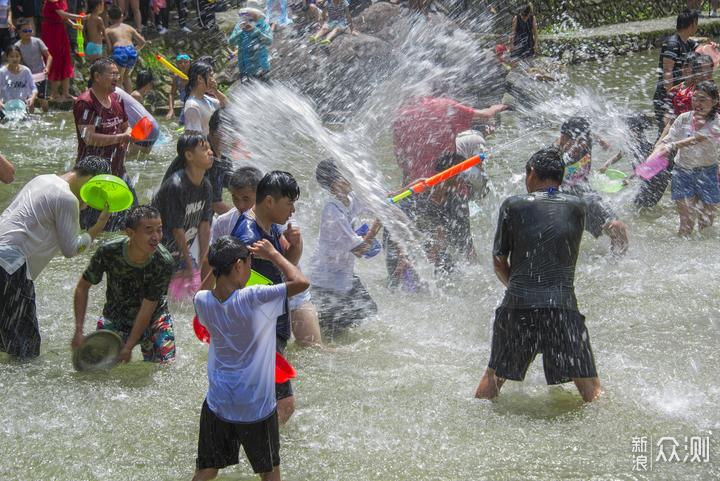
(672, 55)
(536, 248)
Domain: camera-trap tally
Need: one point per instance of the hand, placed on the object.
(263, 249)
(125, 354)
(603, 169)
(293, 236)
(125, 136)
(213, 85)
(248, 27)
(77, 340)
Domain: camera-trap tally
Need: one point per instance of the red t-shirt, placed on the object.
(682, 100)
(89, 111)
(424, 129)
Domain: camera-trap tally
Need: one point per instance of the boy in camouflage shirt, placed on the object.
(138, 271)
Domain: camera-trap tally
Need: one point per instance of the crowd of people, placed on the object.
(534, 253)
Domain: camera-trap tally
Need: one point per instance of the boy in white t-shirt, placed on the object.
(340, 297)
(240, 408)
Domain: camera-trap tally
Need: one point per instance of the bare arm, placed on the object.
(139, 39)
(367, 239)
(171, 99)
(140, 324)
(7, 170)
(294, 248)
(203, 245)
(502, 269)
(489, 113)
(48, 61)
(80, 302)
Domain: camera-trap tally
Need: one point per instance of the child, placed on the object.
(695, 138)
(576, 143)
(143, 85)
(95, 28)
(36, 57)
(182, 61)
(341, 298)
(242, 185)
(337, 19)
(274, 204)
(120, 39)
(138, 271)
(240, 407)
(185, 202)
(16, 80)
(251, 37)
(199, 106)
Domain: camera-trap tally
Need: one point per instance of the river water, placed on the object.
(394, 399)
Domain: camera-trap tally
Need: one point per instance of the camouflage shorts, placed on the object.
(158, 341)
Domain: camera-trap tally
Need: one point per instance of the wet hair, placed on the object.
(138, 213)
(144, 77)
(187, 142)
(93, 4)
(197, 69)
(576, 127)
(244, 177)
(709, 88)
(114, 13)
(700, 61)
(547, 163)
(99, 66)
(277, 184)
(686, 19)
(215, 121)
(224, 253)
(327, 173)
(91, 165)
(527, 9)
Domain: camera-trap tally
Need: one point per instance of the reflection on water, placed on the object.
(394, 400)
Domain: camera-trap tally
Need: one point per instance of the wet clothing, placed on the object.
(702, 154)
(19, 330)
(559, 334)
(107, 120)
(675, 49)
(248, 231)
(241, 360)
(157, 343)
(338, 310)
(125, 56)
(253, 58)
(33, 54)
(128, 283)
(524, 38)
(55, 36)
(700, 182)
(183, 205)
(197, 113)
(42, 219)
(651, 191)
(219, 176)
(540, 232)
(16, 86)
(424, 129)
(599, 212)
(223, 225)
(219, 442)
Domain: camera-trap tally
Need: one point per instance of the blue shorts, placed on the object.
(701, 182)
(93, 48)
(125, 57)
(341, 24)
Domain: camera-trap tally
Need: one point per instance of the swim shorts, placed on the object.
(93, 48)
(125, 56)
(219, 442)
(157, 342)
(285, 389)
(341, 310)
(559, 334)
(701, 183)
(19, 331)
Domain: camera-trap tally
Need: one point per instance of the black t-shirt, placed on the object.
(675, 49)
(183, 205)
(540, 233)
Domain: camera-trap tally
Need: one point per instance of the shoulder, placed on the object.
(112, 246)
(247, 230)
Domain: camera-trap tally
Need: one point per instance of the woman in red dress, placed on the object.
(54, 35)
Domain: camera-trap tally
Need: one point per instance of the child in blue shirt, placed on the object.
(240, 408)
(252, 36)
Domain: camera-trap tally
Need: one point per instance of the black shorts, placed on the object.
(19, 331)
(559, 334)
(342, 310)
(285, 389)
(42, 89)
(219, 442)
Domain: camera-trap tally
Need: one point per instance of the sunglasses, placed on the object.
(182, 57)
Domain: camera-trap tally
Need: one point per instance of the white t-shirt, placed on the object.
(241, 360)
(702, 154)
(198, 112)
(223, 224)
(43, 217)
(16, 86)
(333, 262)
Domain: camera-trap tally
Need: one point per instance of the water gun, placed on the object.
(171, 67)
(80, 39)
(446, 174)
